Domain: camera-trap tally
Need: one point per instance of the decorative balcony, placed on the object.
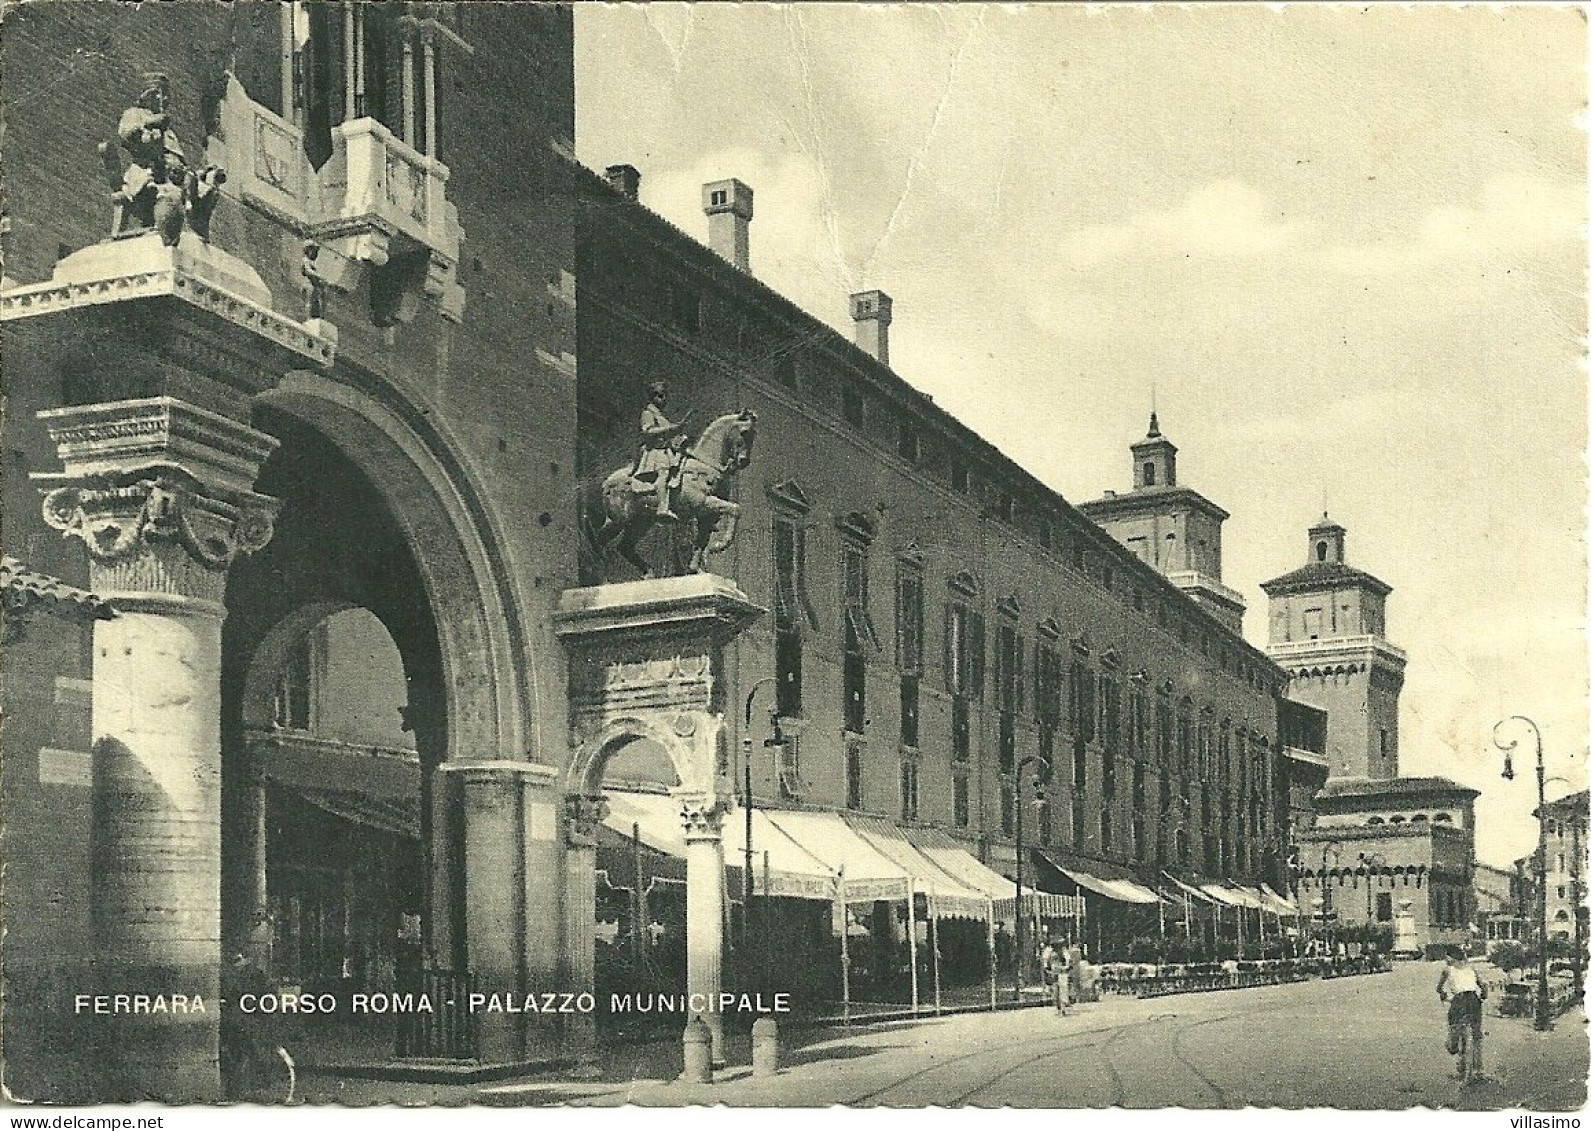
(378, 208)
(381, 199)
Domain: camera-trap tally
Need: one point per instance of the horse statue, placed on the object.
(630, 507)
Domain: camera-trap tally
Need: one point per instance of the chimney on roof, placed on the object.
(728, 208)
(626, 181)
(872, 312)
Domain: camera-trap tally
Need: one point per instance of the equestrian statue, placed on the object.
(675, 482)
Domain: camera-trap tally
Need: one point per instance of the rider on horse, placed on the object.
(662, 454)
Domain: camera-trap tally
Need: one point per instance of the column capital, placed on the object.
(160, 491)
(702, 816)
(582, 815)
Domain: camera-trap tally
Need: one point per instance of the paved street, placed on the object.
(1368, 1042)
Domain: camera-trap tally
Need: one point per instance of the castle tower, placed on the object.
(1328, 629)
(1173, 528)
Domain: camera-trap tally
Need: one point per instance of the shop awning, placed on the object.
(1233, 896)
(655, 816)
(781, 865)
(1119, 890)
(1276, 903)
(952, 857)
(864, 871)
(1188, 889)
(949, 896)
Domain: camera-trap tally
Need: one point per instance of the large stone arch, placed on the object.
(694, 756)
(487, 668)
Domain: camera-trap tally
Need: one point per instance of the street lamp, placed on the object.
(1543, 1009)
(1043, 765)
(1334, 850)
(774, 740)
(1370, 861)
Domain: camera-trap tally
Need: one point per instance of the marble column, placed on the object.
(494, 909)
(583, 815)
(704, 910)
(160, 493)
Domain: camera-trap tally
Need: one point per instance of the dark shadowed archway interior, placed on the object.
(333, 723)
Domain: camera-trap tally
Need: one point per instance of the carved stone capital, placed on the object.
(582, 815)
(119, 516)
(702, 817)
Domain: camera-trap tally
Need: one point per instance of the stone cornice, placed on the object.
(308, 345)
(1300, 654)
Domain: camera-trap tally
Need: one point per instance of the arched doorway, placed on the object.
(334, 721)
(381, 535)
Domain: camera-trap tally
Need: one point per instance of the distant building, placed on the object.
(1408, 843)
(1497, 913)
(1566, 846)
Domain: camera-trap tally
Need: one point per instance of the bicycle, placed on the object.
(1464, 1036)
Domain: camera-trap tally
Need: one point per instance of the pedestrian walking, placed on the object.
(1461, 988)
(1054, 965)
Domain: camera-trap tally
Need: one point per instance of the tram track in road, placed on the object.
(1101, 1041)
(1071, 1042)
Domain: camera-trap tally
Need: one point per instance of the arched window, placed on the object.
(1418, 818)
(1320, 551)
(1377, 821)
(1149, 475)
(1443, 818)
(1398, 820)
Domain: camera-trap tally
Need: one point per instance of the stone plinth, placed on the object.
(134, 318)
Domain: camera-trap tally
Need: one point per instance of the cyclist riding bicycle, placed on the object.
(1461, 988)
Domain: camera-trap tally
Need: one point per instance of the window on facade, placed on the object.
(858, 636)
(1185, 739)
(964, 650)
(906, 441)
(1320, 551)
(1082, 701)
(1110, 719)
(1007, 809)
(960, 806)
(853, 406)
(1079, 823)
(720, 198)
(1105, 838)
(853, 775)
(1149, 475)
(790, 768)
(1008, 690)
(908, 789)
(361, 61)
(960, 730)
(908, 619)
(1311, 624)
(789, 562)
(909, 696)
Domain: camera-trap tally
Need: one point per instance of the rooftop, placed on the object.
(1362, 788)
(1322, 575)
(24, 591)
(592, 187)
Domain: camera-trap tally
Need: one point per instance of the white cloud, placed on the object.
(1224, 219)
(1515, 217)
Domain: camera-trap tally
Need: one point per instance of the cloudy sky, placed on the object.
(1343, 249)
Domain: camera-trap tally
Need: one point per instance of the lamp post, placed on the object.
(1370, 861)
(1039, 783)
(1543, 1007)
(1334, 850)
(776, 739)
